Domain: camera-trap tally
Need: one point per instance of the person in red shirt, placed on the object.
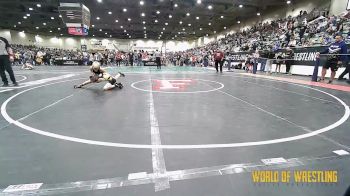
(219, 59)
(118, 58)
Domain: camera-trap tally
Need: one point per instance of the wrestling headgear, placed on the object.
(95, 66)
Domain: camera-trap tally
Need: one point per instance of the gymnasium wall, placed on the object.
(73, 43)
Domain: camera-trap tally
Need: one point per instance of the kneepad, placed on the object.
(113, 81)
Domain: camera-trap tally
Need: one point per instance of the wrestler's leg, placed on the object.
(108, 86)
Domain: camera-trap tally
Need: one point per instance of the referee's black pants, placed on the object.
(5, 65)
(217, 63)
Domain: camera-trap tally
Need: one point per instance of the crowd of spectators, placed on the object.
(53, 56)
(316, 28)
(306, 29)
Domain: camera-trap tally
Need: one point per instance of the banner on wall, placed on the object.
(302, 56)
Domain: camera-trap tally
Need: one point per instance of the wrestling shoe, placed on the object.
(5, 85)
(77, 86)
(119, 85)
(330, 82)
(121, 74)
(15, 84)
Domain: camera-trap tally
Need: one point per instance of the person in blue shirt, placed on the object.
(334, 60)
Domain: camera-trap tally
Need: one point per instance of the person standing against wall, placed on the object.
(158, 60)
(256, 57)
(131, 58)
(6, 57)
(336, 56)
(289, 56)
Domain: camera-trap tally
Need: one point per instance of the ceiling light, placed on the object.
(144, 28)
(161, 32)
(60, 16)
(170, 16)
(100, 30)
(52, 18)
(59, 29)
(125, 31)
(289, 2)
(164, 29)
(240, 6)
(222, 17)
(210, 7)
(189, 25)
(28, 14)
(142, 2)
(180, 22)
(156, 21)
(188, 14)
(97, 18)
(121, 27)
(166, 24)
(143, 14)
(129, 19)
(214, 31)
(37, 27)
(116, 20)
(158, 12)
(109, 13)
(209, 24)
(175, 5)
(61, 34)
(144, 22)
(110, 35)
(200, 29)
(25, 17)
(19, 23)
(238, 22)
(125, 10)
(199, 1)
(225, 27)
(100, 1)
(93, 35)
(44, 23)
(258, 14)
(183, 29)
(197, 18)
(130, 36)
(93, 25)
(50, 31)
(31, 9)
(106, 33)
(38, 5)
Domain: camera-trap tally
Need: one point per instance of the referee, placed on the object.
(6, 55)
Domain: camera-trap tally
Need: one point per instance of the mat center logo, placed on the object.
(171, 85)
